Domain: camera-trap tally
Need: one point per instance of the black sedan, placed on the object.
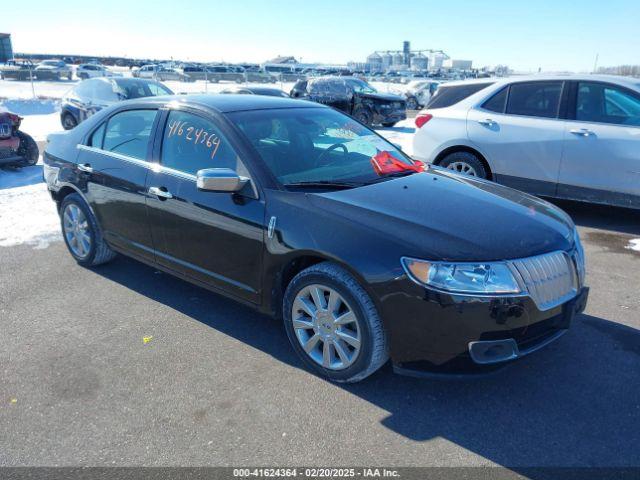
(303, 213)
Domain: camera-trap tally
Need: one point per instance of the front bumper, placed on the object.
(437, 332)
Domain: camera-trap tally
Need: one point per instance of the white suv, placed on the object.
(575, 137)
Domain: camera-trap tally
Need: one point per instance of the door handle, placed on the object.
(85, 167)
(487, 122)
(160, 192)
(583, 132)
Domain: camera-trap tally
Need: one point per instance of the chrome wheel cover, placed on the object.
(76, 230)
(326, 327)
(462, 167)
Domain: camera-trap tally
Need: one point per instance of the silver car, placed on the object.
(571, 136)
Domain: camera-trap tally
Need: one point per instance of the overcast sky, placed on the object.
(552, 34)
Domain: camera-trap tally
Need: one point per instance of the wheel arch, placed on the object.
(300, 262)
(468, 149)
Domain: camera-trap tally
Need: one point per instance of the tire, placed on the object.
(69, 121)
(388, 124)
(363, 115)
(372, 352)
(412, 103)
(28, 149)
(98, 251)
(465, 163)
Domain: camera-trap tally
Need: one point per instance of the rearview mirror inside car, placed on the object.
(219, 180)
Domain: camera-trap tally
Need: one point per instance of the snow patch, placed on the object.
(27, 213)
(634, 244)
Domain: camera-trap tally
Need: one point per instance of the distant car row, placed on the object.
(52, 70)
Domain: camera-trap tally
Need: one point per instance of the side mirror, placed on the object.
(219, 180)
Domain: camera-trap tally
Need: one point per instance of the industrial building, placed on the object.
(405, 59)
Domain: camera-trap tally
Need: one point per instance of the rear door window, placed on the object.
(128, 133)
(448, 96)
(535, 99)
(604, 103)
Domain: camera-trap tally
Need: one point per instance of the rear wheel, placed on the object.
(28, 149)
(333, 324)
(412, 103)
(465, 163)
(82, 234)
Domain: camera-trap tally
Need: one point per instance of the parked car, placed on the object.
(271, 92)
(419, 92)
(17, 70)
(355, 97)
(53, 70)
(146, 71)
(220, 73)
(17, 149)
(573, 136)
(162, 73)
(91, 96)
(303, 213)
(92, 70)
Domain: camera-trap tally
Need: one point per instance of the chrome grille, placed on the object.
(550, 279)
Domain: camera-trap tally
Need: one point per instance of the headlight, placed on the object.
(471, 278)
(579, 257)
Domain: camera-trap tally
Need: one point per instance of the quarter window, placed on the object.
(448, 96)
(96, 137)
(535, 99)
(191, 143)
(497, 102)
(602, 103)
(128, 133)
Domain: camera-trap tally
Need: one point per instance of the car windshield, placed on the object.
(129, 88)
(50, 63)
(320, 146)
(360, 86)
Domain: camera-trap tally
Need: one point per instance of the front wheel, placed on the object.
(333, 325)
(28, 149)
(81, 233)
(388, 124)
(363, 115)
(465, 163)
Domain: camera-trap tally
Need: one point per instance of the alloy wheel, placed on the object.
(76, 230)
(462, 167)
(326, 327)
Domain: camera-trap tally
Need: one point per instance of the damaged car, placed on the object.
(306, 214)
(355, 97)
(17, 149)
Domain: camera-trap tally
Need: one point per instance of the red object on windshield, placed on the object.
(384, 163)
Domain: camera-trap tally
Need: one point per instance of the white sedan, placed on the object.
(573, 137)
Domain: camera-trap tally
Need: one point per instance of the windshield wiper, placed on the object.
(386, 176)
(325, 184)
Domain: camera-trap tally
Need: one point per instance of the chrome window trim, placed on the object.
(153, 166)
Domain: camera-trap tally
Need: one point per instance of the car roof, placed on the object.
(620, 80)
(233, 102)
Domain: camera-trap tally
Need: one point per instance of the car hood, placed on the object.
(445, 216)
(387, 97)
